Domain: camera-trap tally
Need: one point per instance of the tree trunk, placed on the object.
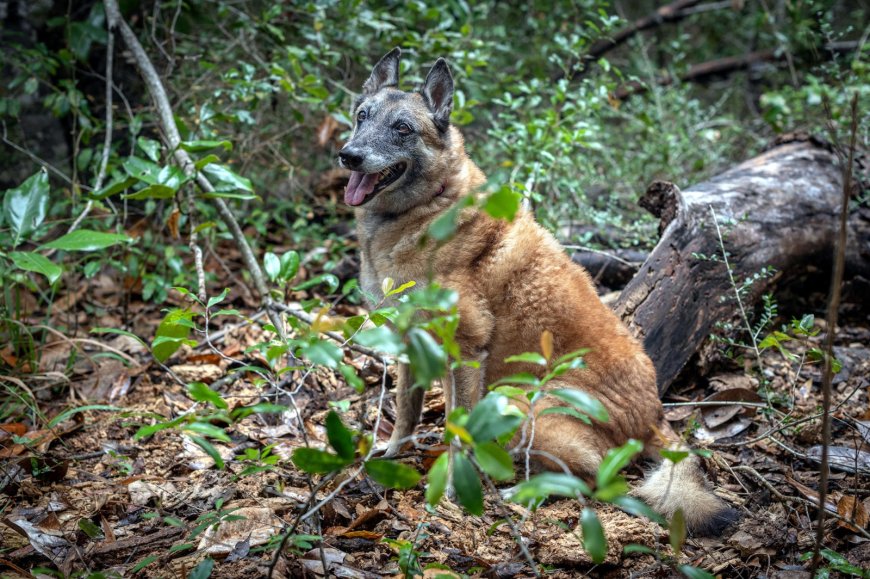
(777, 210)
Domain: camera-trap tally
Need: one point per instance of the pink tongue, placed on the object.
(359, 185)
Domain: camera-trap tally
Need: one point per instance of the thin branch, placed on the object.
(833, 307)
(173, 139)
(672, 12)
(308, 319)
(721, 66)
(107, 140)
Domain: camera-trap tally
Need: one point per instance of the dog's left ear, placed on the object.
(385, 73)
(437, 91)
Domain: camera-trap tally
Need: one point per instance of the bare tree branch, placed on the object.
(672, 12)
(107, 140)
(173, 139)
(831, 326)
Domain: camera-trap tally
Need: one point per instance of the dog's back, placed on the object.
(514, 282)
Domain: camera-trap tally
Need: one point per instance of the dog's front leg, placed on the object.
(409, 405)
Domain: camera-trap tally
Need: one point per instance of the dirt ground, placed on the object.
(84, 496)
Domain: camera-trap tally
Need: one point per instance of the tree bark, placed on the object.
(778, 209)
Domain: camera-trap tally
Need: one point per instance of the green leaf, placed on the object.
(272, 265)
(144, 563)
(521, 378)
(594, 541)
(352, 378)
(24, 206)
(289, 265)
(199, 164)
(528, 357)
(121, 184)
(224, 179)
(444, 226)
(202, 393)
(156, 191)
(467, 485)
(546, 484)
(172, 327)
(610, 492)
(674, 456)
(198, 146)
(328, 279)
(90, 528)
(215, 300)
(695, 573)
(317, 461)
(86, 240)
(203, 570)
(584, 418)
(493, 417)
(635, 548)
(677, 528)
(323, 352)
(583, 402)
(494, 460)
(503, 204)
(340, 438)
(120, 333)
(392, 474)
(427, 358)
(150, 147)
(381, 338)
(437, 480)
(638, 508)
(142, 170)
(615, 460)
(209, 449)
(37, 263)
(208, 429)
(73, 411)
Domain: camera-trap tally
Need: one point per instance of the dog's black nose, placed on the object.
(350, 158)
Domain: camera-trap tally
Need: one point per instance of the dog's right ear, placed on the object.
(385, 73)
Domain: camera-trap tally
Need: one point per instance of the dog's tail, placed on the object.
(683, 485)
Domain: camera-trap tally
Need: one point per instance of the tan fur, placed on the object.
(514, 282)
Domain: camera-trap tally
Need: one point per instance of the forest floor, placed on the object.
(84, 495)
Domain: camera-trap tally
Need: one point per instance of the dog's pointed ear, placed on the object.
(437, 91)
(385, 73)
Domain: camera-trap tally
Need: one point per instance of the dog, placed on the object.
(408, 167)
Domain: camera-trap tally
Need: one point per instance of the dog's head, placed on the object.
(397, 152)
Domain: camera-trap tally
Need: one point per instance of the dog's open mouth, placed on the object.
(362, 187)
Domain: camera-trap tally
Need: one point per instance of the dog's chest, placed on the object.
(388, 256)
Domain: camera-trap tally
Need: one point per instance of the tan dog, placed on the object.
(514, 281)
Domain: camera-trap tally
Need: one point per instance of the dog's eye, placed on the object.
(361, 116)
(403, 128)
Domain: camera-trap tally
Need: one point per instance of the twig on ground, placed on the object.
(518, 537)
(783, 498)
(833, 307)
(173, 140)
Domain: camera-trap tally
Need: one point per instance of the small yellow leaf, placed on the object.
(547, 344)
(387, 285)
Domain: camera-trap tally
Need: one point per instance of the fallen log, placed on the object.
(781, 211)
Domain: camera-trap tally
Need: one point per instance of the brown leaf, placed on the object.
(849, 508)
(370, 535)
(16, 428)
(715, 416)
(810, 494)
(326, 130)
(172, 223)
